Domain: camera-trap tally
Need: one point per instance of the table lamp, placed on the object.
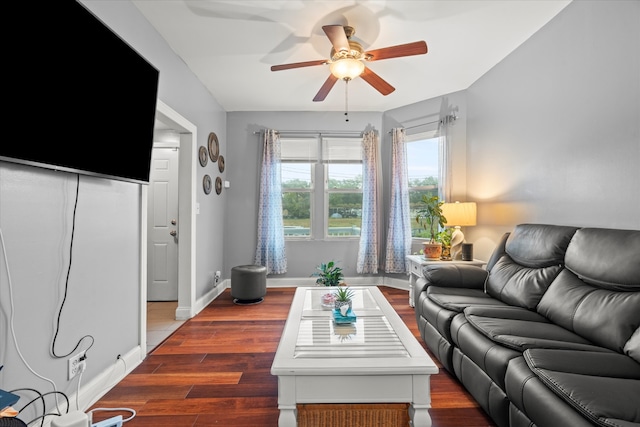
(458, 215)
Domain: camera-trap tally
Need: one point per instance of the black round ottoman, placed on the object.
(248, 284)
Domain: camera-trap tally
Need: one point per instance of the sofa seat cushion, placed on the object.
(532, 397)
(489, 356)
(457, 299)
(604, 387)
(521, 329)
(441, 305)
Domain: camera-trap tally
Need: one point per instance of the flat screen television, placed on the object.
(80, 99)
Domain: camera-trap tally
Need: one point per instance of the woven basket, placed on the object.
(354, 415)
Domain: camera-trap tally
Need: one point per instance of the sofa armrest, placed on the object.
(454, 276)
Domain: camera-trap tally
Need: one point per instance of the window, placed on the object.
(299, 158)
(423, 172)
(333, 209)
(343, 185)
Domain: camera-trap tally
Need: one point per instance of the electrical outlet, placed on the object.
(77, 364)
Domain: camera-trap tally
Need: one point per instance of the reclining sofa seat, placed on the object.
(500, 330)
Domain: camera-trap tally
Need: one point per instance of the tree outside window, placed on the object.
(423, 172)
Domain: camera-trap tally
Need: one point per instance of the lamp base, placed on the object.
(456, 243)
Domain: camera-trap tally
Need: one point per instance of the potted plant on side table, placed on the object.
(445, 238)
(430, 217)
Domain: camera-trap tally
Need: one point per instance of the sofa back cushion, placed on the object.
(532, 257)
(606, 258)
(597, 296)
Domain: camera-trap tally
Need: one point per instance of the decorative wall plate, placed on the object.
(221, 163)
(203, 156)
(206, 184)
(218, 185)
(214, 147)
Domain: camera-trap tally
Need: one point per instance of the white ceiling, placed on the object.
(231, 45)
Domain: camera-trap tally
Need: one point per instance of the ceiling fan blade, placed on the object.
(298, 65)
(337, 36)
(409, 49)
(377, 82)
(326, 87)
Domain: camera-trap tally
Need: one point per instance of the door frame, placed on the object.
(187, 214)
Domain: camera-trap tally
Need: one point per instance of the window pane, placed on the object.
(345, 176)
(345, 214)
(422, 162)
(296, 213)
(296, 175)
(423, 171)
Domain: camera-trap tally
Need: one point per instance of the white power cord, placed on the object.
(11, 322)
(133, 412)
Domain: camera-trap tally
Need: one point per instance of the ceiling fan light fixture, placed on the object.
(346, 68)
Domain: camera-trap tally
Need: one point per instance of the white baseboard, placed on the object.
(102, 383)
(294, 282)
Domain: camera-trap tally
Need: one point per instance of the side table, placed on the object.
(416, 262)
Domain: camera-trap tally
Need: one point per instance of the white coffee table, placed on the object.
(374, 360)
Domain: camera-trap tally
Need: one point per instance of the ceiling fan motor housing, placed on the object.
(355, 52)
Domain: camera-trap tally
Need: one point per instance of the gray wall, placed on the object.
(36, 207)
(245, 156)
(553, 131)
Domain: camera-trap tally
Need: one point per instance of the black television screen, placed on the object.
(80, 98)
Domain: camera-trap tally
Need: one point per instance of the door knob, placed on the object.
(173, 233)
(173, 222)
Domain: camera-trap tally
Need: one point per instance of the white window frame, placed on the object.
(311, 145)
(319, 195)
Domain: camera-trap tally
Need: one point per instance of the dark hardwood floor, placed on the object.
(215, 371)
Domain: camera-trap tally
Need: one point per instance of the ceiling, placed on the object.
(231, 45)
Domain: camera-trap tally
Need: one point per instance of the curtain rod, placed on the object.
(314, 132)
(446, 119)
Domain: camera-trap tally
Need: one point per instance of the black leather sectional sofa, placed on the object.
(548, 334)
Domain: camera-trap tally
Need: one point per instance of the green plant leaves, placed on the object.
(329, 274)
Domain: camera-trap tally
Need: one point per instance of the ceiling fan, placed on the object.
(347, 60)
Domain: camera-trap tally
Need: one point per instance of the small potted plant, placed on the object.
(329, 274)
(431, 217)
(343, 297)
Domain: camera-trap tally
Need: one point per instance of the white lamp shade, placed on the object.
(459, 214)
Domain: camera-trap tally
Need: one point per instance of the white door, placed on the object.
(162, 266)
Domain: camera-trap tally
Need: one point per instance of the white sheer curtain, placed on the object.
(368, 252)
(444, 158)
(270, 251)
(399, 232)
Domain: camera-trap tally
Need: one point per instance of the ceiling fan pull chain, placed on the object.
(346, 99)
